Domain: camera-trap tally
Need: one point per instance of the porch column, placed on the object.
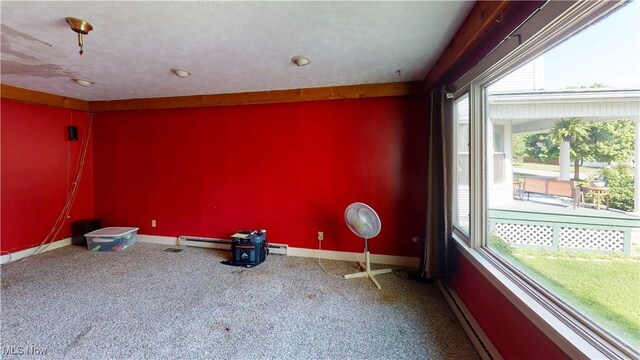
(636, 171)
(565, 161)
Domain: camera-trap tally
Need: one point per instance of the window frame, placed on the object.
(566, 327)
(456, 228)
(503, 153)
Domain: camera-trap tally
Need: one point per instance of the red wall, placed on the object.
(37, 160)
(515, 336)
(289, 168)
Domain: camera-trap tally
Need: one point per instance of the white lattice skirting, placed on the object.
(568, 237)
(591, 239)
(525, 234)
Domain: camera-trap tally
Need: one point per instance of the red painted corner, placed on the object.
(38, 165)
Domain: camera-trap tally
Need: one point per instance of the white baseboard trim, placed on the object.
(294, 251)
(353, 256)
(4, 259)
(474, 331)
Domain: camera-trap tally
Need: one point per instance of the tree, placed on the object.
(540, 147)
(620, 182)
(518, 148)
(610, 141)
(613, 141)
(577, 133)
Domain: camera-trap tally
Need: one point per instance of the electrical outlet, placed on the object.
(320, 236)
(153, 223)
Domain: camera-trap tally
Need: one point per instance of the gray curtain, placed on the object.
(439, 167)
(440, 135)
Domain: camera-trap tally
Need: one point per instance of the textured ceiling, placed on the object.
(228, 46)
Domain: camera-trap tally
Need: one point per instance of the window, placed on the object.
(461, 192)
(498, 154)
(555, 178)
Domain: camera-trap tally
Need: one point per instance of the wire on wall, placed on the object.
(71, 194)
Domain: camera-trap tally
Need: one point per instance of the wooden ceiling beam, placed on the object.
(409, 88)
(42, 98)
(264, 97)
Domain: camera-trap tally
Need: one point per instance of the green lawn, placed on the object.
(604, 287)
(585, 171)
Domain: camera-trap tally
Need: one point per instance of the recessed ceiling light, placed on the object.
(301, 60)
(181, 72)
(83, 82)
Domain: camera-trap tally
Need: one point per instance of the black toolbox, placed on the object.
(249, 248)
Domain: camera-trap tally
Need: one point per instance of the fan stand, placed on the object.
(367, 268)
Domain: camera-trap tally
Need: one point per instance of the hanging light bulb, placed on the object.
(81, 27)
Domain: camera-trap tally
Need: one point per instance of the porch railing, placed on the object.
(563, 232)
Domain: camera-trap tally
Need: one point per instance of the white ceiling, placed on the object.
(228, 46)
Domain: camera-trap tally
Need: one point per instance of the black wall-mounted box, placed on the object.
(73, 133)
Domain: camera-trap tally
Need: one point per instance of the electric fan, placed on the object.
(365, 223)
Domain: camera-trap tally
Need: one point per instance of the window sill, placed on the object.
(570, 334)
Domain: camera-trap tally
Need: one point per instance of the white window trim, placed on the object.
(477, 168)
(503, 182)
(456, 228)
(572, 332)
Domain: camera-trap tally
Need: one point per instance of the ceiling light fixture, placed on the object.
(300, 60)
(81, 27)
(83, 82)
(181, 73)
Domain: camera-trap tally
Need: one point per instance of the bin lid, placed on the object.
(112, 231)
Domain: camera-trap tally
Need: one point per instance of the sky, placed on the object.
(608, 52)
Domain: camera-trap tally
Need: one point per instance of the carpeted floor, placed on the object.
(145, 303)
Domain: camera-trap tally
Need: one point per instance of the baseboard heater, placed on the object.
(224, 244)
(478, 337)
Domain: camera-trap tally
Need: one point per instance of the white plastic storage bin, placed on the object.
(111, 238)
